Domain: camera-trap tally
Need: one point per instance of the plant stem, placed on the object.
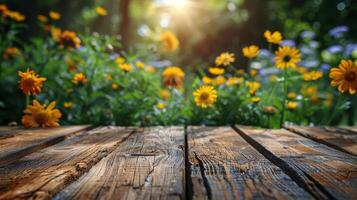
(284, 97)
(334, 109)
(27, 100)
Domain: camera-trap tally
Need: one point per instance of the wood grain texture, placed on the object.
(337, 138)
(148, 165)
(17, 143)
(325, 170)
(42, 174)
(225, 166)
(350, 128)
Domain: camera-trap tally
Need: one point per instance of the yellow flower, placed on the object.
(309, 91)
(251, 51)
(269, 110)
(54, 15)
(115, 86)
(165, 94)
(216, 71)
(205, 96)
(140, 64)
(37, 115)
(225, 59)
(255, 99)
(160, 105)
(206, 80)
(345, 76)
(101, 11)
(292, 95)
(253, 87)
(150, 69)
(79, 78)
(16, 16)
(314, 99)
(109, 77)
(274, 38)
(11, 52)
(253, 72)
(120, 60)
(68, 104)
(287, 57)
(42, 18)
(234, 81)
(292, 105)
(30, 83)
(312, 76)
(125, 67)
(56, 34)
(173, 76)
(240, 71)
(169, 41)
(219, 80)
(70, 39)
(273, 78)
(301, 70)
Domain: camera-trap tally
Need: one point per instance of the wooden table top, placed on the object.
(194, 162)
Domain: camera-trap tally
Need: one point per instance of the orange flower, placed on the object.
(16, 16)
(30, 83)
(11, 52)
(54, 15)
(173, 76)
(37, 115)
(79, 78)
(70, 39)
(345, 76)
(169, 41)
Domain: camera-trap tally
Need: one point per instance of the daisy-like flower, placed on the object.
(269, 110)
(286, 57)
(312, 76)
(54, 15)
(219, 80)
(292, 105)
(37, 115)
(160, 106)
(165, 94)
(69, 39)
(251, 51)
(30, 83)
(42, 18)
(126, 67)
(345, 76)
(205, 96)
(253, 87)
(292, 95)
(169, 41)
(255, 99)
(275, 37)
(173, 76)
(140, 64)
(115, 86)
(234, 81)
(56, 34)
(206, 80)
(68, 104)
(151, 69)
(216, 70)
(11, 52)
(16, 16)
(79, 78)
(101, 11)
(225, 59)
(120, 60)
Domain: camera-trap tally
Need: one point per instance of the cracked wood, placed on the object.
(225, 166)
(338, 138)
(326, 170)
(148, 165)
(42, 174)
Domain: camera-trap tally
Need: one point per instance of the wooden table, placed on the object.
(239, 162)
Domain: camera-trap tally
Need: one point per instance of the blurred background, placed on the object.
(204, 27)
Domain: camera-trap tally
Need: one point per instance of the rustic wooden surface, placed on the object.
(239, 162)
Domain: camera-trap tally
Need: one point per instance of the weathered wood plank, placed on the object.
(350, 128)
(225, 166)
(326, 170)
(43, 173)
(21, 142)
(148, 165)
(333, 137)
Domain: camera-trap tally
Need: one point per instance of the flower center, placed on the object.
(29, 82)
(204, 96)
(286, 58)
(351, 76)
(42, 117)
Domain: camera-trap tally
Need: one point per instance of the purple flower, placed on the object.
(290, 43)
(306, 50)
(307, 35)
(338, 31)
(335, 49)
(349, 49)
(325, 67)
(264, 53)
